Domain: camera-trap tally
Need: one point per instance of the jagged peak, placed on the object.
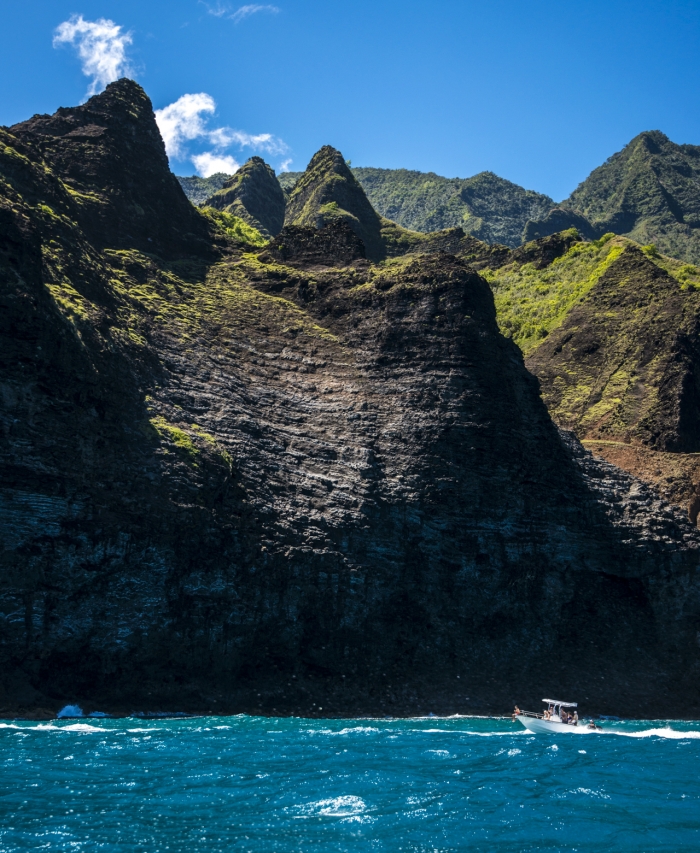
(328, 190)
(111, 146)
(255, 195)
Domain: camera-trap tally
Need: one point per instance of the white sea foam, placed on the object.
(666, 732)
(346, 806)
(347, 731)
(591, 793)
(70, 711)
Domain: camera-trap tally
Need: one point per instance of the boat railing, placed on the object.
(532, 714)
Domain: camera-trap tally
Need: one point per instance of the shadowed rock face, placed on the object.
(249, 482)
(111, 156)
(625, 363)
(560, 219)
(327, 191)
(255, 195)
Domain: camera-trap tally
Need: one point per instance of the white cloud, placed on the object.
(252, 9)
(209, 163)
(182, 121)
(225, 136)
(101, 46)
(284, 165)
(185, 120)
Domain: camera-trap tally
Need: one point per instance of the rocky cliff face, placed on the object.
(254, 195)
(111, 158)
(625, 364)
(290, 480)
(328, 191)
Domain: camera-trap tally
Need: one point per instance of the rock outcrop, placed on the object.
(110, 155)
(281, 482)
(625, 362)
(328, 191)
(254, 195)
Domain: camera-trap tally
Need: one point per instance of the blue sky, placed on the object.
(538, 92)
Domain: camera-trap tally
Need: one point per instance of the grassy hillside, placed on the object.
(532, 302)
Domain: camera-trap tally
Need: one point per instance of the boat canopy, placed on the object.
(561, 704)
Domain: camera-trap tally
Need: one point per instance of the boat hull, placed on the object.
(552, 727)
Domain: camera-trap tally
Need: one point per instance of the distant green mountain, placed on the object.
(486, 206)
(649, 191)
(199, 189)
(288, 179)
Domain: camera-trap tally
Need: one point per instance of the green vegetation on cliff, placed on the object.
(532, 302)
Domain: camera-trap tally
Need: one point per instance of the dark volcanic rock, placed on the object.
(335, 244)
(328, 191)
(560, 219)
(625, 362)
(252, 485)
(255, 195)
(110, 155)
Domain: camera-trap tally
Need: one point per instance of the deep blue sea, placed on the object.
(277, 784)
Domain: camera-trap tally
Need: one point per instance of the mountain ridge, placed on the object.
(648, 191)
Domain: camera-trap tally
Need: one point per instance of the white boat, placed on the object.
(551, 721)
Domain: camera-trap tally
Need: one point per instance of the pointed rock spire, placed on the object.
(328, 191)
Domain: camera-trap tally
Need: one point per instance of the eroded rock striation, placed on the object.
(289, 480)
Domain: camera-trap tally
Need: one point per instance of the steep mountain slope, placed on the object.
(254, 195)
(625, 363)
(233, 480)
(111, 135)
(327, 191)
(610, 331)
(649, 191)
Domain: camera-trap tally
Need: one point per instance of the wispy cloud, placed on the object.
(101, 46)
(185, 120)
(225, 136)
(284, 165)
(246, 11)
(218, 10)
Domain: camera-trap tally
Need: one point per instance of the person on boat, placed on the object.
(575, 718)
(516, 712)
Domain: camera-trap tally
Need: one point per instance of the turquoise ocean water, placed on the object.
(276, 784)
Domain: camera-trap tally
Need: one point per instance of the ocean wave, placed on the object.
(347, 731)
(344, 807)
(666, 732)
